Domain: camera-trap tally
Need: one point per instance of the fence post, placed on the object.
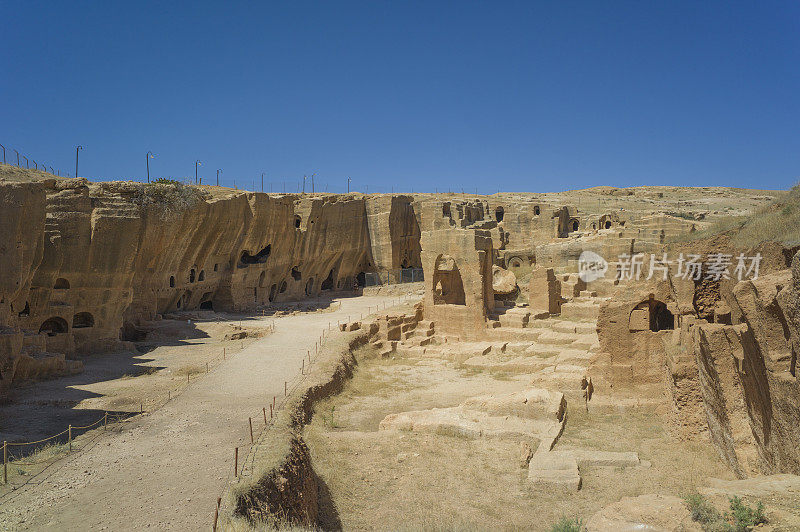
(5, 462)
(69, 436)
(285, 388)
(206, 367)
(216, 513)
(105, 421)
(264, 409)
(250, 420)
(236, 462)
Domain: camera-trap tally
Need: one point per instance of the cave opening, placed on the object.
(61, 284)
(327, 284)
(296, 275)
(259, 258)
(272, 290)
(24, 313)
(499, 213)
(54, 326)
(82, 320)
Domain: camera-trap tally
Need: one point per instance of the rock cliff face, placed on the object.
(83, 264)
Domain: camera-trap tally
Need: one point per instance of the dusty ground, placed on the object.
(164, 469)
(378, 479)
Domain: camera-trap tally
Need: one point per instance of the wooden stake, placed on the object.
(216, 514)
(223, 353)
(303, 368)
(273, 401)
(206, 367)
(5, 462)
(105, 421)
(236, 462)
(270, 411)
(265, 414)
(285, 388)
(250, 420)
(69, 436)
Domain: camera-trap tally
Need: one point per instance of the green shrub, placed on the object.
(566, 524)
(702, 511)
(741, 517)
(745, 518)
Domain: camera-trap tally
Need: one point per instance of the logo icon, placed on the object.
(591, 266)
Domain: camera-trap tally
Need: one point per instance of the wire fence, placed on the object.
(288, 185)
(396, 276)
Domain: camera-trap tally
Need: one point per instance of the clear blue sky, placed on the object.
(518, 96)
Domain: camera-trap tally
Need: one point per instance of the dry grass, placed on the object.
(190, 370)
(777, 222)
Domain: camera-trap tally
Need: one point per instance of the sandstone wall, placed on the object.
(83, 264)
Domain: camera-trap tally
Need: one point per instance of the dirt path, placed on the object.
(166, 469)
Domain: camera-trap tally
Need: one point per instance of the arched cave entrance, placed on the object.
(191, 275)
(310, 286)
(448, 288)
(574, 224)
(61, 284)
(172, 281)
(537, 211)
(297, 221)
(296, 275)
(499, 213)
(361, 279)
(54, 326)
(652, 315)
(82, 320)
(24, 313)
(272, 290)
(327, 284)
(202, 276)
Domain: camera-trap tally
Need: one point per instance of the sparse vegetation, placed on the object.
(191, 370)
(777, 222)
(567, 524)
(167, 197)
(740, 518)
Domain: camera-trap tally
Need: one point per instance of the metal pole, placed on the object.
(5, 462)
(78, 148)
(218, 171)
(52, 171)
(147, 158)
(4, 153)
(348, 185)
(36, 166)
(196, 164)
(17, 157)
(262, 181)
(304, 184)
(312, 183)
(26, 162)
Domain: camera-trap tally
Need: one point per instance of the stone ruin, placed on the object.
(85, 266)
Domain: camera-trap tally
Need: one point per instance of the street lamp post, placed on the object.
(218, 171)
(17, 156)
(149, 156)
(36, 166)
(78, 148)
(196, 164)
